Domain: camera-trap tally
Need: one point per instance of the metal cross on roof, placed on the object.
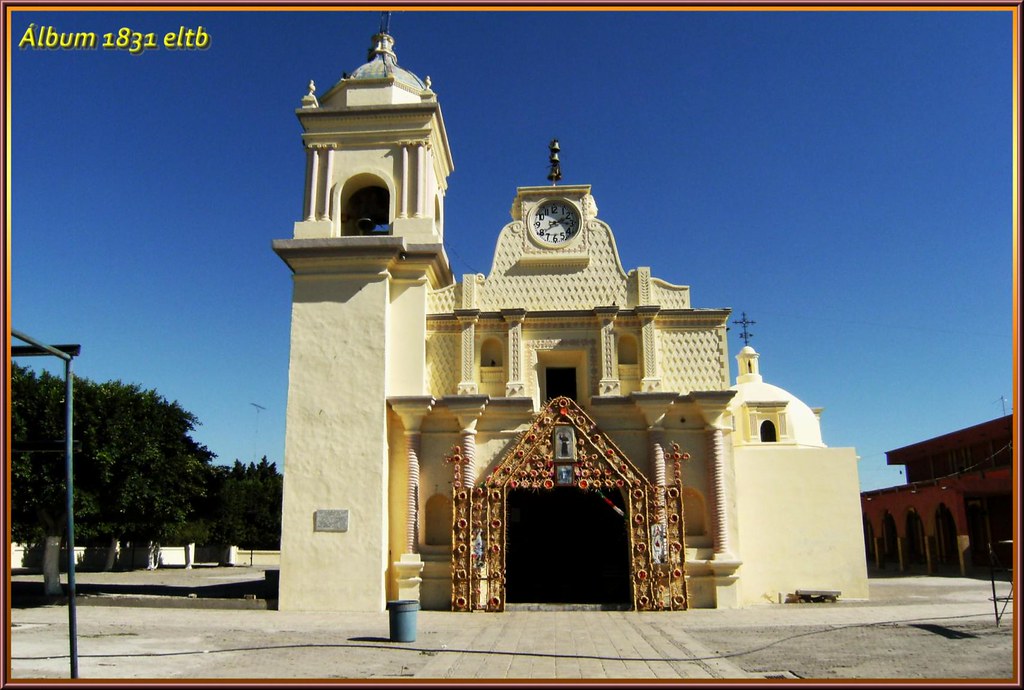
(385, 22)
(744, 321)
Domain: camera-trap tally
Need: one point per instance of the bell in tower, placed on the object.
(377, 155)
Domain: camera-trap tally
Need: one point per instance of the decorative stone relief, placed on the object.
(470, 283)
(443, 301)
(609, 383)
(690, 360)
(468, 384)
(566, 282)
(589, 206)
(442, 363)
(651, 381)
(667, 295)
(515, 386)
(643, 277)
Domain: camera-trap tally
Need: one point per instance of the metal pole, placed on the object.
(66, 353)
(68, 451)
(992, 577)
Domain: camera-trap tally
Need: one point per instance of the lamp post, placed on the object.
(65, 353)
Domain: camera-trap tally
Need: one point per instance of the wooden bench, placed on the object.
(817, 595)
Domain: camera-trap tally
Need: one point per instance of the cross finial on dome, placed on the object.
(385, 22)
(746, 335)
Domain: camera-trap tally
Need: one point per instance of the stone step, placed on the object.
(568, 607)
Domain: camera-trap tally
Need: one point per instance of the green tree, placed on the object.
(248, 505)
(139, 475)
(38, 493)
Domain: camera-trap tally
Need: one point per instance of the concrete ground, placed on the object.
(213, 623)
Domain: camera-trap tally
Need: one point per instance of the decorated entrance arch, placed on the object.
(565, 447)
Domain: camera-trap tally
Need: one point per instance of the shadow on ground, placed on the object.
(25, 594)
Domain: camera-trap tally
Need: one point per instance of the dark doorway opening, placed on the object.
(566, 546)
(889, 533)
(560, 381)
(915, 539)
(945, 536)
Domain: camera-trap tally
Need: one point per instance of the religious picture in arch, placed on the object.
(565, 443)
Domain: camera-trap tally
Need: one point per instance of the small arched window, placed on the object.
(768, 434)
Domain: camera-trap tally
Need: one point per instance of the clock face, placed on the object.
(555, 221)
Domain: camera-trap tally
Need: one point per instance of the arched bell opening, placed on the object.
(367, 210)
(566, 546)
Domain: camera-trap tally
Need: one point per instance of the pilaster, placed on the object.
(515, 387)
(312, 177)
(467, 321)
(609, 383)
(412, 410)
(651, 381)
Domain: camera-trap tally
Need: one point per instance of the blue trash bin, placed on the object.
(402, 619)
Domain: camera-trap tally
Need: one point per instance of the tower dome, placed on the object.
(380, 81)
(383, 65)
(768, 414)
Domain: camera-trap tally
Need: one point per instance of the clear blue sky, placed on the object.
(843, 177)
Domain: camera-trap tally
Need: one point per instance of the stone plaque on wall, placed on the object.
(330, 521)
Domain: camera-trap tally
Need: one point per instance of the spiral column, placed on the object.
(412, 451)
(469, 455)
(716, 490)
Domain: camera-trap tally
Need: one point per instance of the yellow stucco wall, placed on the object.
(798, 522)
(335, 446)
(406, 357)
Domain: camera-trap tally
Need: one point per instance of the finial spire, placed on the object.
(745, 322)
(383, 45)
(385, 22)
(556, 168)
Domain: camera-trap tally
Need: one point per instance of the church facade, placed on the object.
(561, 430)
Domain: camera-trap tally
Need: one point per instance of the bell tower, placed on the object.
(364, 254)
(377, 156)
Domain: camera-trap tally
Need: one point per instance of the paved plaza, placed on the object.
(204, 624)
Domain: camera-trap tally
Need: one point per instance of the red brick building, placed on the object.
(958, 499)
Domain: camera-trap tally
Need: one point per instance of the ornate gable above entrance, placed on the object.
(564, 447)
